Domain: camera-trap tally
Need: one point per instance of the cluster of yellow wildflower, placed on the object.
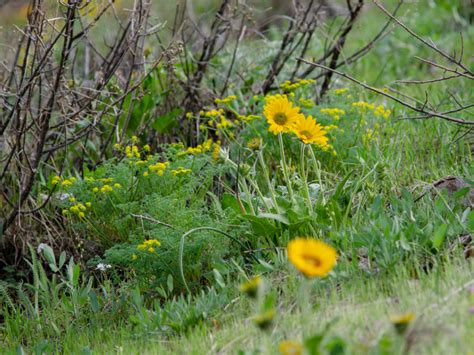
(216, 150)
(212, 113)
(283, 117)
(226, 100)
(306, 103)
(132, 151)
(363, 106)
(381, 111)
(180, 171)
(149, 245)
(340, 91)
(64, 183)
(78, 209)
(292, 86)
(335, 113)
(224, 123)
(248, 118)
(106, 189)
(199, 149)
(158, 168)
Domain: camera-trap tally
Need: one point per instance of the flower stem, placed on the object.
(318, 173)
(304, 176)
(285, 167)
(269, 183)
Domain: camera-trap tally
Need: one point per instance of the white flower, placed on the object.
(41, 247)
(103, 267)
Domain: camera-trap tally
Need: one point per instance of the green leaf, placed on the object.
(49, 256)
(277, 217)
(62, 259)
(230, 201)
(94, 301)
(164, 123)
(312, 344)
(470, 221)
(219, 279)
(169, 283)
(439, 235)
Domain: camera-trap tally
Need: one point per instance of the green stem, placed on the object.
(285, 167)
(267, 178)
(318, 173)
(304, 177)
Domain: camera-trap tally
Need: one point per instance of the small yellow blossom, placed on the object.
(216, 151)
(180, 171)
(66, 182)
(117, 186)
(226, 100)
(56, 180)
(95, 190)
(341, 91)
(149, 245)
(106, 188)
(88, 204)
(292, 86)
(362, 105)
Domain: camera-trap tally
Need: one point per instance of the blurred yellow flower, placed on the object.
(402, 321)
(149, 245)
(250, 287)
(312, 257)
(280, 114)
(289, 347)
(311, 132)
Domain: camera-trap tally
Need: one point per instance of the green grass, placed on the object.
(358, 310)
(368, 207)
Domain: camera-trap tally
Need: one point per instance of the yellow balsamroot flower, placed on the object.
(250, 287)
(311, 132)
(402, 321)
(312, 257)
(280, 114)
(289, 347)
(264, 320)
(254, 143)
